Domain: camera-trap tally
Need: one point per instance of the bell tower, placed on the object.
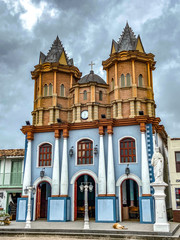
(129, 75)
(53, 77)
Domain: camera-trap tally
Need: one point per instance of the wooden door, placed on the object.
(38, 203)
(43, 211)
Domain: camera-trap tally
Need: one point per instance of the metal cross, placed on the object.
(91, 64)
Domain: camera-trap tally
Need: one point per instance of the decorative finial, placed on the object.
(91, 64)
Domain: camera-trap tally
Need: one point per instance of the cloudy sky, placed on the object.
(86, 29)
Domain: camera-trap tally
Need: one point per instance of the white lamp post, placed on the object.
(29, 190)
(84, 187)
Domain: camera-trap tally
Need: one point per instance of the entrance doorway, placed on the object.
(130, 200)
(79, 198)
(42, 194)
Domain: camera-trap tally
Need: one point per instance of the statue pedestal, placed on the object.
(161, 224)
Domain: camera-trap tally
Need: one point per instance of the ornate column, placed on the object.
(27, 170)
(101, 170)
(144, 161)
(110, 166)
(55, 174)
(64, 167)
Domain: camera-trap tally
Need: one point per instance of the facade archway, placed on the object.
(73, 182)
(35, 184)
(127, 208)
(79, 209)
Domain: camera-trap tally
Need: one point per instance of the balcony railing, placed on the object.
(11, 179)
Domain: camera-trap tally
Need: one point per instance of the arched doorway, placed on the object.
(79, 198)
(130, 200)
(42, 193)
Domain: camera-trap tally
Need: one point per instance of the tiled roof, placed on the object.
(11, 152)
(54, 53)
(91, 77)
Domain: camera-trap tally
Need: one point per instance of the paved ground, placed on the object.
(145, 229)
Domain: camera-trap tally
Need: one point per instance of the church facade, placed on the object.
(87, 130)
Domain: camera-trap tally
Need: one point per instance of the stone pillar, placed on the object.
(138, 107)
(74, 115)
(144, 161)
(131, 109)
(149, 109)
(40, 117)
(110, 165)
(108, 112)
(27, 169)
(51, 115)
(161, 224)
(78, 109)
(56, 114)
(64, 167)
(114, 110)
(55, 173)
(119, 110)
(101, 169)
(90, 117)
(96, 112)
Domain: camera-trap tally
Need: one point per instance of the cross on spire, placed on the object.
(91, 64)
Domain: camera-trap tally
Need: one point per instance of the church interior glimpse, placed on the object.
(130, 200)
(79, 198)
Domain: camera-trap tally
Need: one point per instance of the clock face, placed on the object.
(84, 114)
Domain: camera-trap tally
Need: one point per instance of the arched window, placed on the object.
(45, 90)
(112, 84)
(85, 95)
(127, 150)
(85, 152)
(45, 151)
(62, 90)
(140, 80)
(122, 80)
(50, 89)
(128, 80)
(100, 95)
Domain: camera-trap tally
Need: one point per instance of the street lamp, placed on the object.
(29, 190)
(84, 187)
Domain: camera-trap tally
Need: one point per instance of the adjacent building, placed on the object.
(174, 175)
(88, 130)
(11, 173)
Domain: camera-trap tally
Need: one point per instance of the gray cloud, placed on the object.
(86, 29)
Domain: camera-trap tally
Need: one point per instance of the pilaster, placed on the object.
(55, 173)
(51, 115)
(90, 115)
(144, 161)
(96, 112)
(110, 165)
(119, 110)
(27, 169)
(132, 114)
(64, 167)
(138, 107)
(101, 169)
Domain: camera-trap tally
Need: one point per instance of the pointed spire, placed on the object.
(127, 41)
(55, 53)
